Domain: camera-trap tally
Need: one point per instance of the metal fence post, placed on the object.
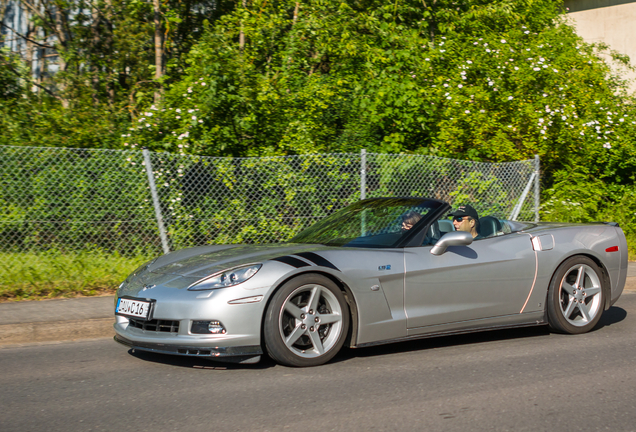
(363, 174)
(155, 201)
(537, 191)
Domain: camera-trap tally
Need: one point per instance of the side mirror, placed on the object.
(455, 238)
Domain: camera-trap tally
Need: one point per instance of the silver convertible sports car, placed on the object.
(378, 271)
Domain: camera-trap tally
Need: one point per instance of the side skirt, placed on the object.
(451, 332)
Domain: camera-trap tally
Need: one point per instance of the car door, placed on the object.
(488, 278)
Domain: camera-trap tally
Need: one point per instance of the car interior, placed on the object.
(489, 226)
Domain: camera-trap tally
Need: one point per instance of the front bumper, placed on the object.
(247, 351)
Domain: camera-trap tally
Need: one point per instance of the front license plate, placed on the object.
(133, 307)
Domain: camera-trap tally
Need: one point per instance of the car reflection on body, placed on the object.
(358, 279)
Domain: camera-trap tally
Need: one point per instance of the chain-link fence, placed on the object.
(140, 203)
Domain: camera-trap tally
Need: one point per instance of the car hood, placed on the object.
(204, 261)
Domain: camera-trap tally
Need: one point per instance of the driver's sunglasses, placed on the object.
(461, 218)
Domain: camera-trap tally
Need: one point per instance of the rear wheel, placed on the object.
(575, 297)
(306, 322)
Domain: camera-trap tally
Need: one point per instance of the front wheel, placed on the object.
(306, 322)
(575, 297)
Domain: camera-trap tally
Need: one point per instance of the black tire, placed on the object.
(301, 334)
(576, 296)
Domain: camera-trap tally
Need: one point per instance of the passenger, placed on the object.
(409, 219)
(465, 218)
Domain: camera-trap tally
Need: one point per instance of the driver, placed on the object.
(465, 218)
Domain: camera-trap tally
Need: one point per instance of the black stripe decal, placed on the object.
(294, 262)
(317, 259)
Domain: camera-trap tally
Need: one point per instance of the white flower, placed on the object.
(545, 95)
(194, 117)
(536, 69)
(202, 83)
(189, 89)
(621, 120)
(563, 118)
(503, 41)
(487, 49)
(510, 98)
(178, 110)
(541, 120)
(467, 112)
(607, 145)
(459, 86)
(555, 70)
(526, 32)
(445, 85)
(597, 102)
(147, 125)
(516, 68)
(449, 97)
(178, 117)
(469, 62)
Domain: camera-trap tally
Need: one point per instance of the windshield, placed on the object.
(379, 222)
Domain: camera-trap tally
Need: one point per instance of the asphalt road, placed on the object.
(519, 380)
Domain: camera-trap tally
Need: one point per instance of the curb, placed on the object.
(56, 331)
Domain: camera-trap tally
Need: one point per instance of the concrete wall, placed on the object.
(609, 21)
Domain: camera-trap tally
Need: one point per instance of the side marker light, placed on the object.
(612, 249)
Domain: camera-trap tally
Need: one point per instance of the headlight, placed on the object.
(226, 278)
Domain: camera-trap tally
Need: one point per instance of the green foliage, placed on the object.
(72, 200)
(55, 274)
(11, 71)
(492, 81)
(104, 73)
(576, 197)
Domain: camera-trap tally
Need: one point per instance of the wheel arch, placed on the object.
(346, 290)
(604, 274)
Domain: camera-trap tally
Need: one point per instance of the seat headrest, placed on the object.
(488, 226)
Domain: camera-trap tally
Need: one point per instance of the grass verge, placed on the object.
(30, 276)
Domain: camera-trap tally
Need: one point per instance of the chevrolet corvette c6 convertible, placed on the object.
(359, 278)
